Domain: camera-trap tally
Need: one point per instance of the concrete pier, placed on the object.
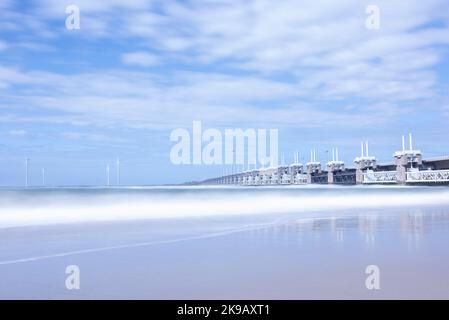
(334, 166)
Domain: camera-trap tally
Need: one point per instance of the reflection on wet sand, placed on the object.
(411, 224)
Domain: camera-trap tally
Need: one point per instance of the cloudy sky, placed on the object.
(73, 100)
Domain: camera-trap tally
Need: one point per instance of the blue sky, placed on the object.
(73, 100)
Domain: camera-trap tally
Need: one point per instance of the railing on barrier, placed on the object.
(428, 176)
(300, 178)
(380, 177)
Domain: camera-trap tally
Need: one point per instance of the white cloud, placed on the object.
(56, 8)
(35, 46)
(142, 100)
(140, 58)
(96, 137)
(17, 132)
(5, 3)
(317, 42)
(445, 111)
(265, 60)
(3, 45)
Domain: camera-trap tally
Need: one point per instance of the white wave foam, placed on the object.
(72, 208)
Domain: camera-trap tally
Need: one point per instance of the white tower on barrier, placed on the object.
(364, 162)
(334, 166)
(407, 160)
(312, 166)
(296, 170)
(296, 167)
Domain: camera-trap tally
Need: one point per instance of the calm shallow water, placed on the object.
(231, 243)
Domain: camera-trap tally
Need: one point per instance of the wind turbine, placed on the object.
(108, 175)
(26, 172)
(118, 171)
